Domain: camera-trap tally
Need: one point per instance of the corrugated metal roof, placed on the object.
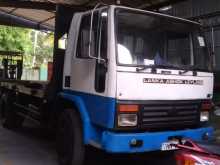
(44, 17)
(42, 12)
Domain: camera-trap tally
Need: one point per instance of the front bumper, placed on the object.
(120, 142)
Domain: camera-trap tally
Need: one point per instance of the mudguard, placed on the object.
(88, 129)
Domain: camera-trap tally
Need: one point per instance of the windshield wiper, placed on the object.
(144, 67)
(188, 69)
(153, 67)
(169, 66)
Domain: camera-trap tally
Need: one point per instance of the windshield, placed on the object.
(146, 39)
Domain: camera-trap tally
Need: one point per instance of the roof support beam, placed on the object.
(28, 5)
(162, 4)
(49, 6)
(13, 10)
(47, 19)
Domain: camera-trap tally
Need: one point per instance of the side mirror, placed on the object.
(217, 111)
(100, 73)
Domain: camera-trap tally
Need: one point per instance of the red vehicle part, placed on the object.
(192, 153)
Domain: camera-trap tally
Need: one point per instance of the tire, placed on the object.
(11, 119)
(70, 147)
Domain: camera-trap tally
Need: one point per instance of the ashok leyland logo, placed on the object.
(172, 81)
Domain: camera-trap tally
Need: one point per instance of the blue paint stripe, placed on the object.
(101, 109)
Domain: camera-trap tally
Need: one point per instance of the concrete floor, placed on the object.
(24, 147)
(30, 146)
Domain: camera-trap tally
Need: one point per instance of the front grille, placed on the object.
(169, 115)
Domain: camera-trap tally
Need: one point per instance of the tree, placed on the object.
(15, 39)
(37, 46)
(43, 49)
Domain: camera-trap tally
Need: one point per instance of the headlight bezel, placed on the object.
(127, 116)
(127, 120)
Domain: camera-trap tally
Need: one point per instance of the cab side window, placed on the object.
(84, 36)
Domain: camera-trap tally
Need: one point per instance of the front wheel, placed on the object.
(70, 147)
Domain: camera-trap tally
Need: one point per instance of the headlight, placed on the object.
(127, 115)
(204, 116)
(127, 120)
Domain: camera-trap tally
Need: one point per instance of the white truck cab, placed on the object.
(138, 70)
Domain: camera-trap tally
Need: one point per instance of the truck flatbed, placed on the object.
(33, 88)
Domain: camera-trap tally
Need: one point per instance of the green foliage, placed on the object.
(15, 39)
(37, 46)
(44, 47)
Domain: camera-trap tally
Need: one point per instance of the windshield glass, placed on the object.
(146, 39)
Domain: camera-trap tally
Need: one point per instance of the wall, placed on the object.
(30, 74)
(208, 12)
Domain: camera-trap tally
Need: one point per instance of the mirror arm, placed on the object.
(90, 32)
(101, 60)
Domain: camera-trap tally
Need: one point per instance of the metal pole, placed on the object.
(213, 47)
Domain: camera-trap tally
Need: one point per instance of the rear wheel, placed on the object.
(70, 147)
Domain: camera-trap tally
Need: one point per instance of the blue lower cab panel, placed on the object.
(152, 141)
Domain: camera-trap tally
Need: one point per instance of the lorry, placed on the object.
(133, 81)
